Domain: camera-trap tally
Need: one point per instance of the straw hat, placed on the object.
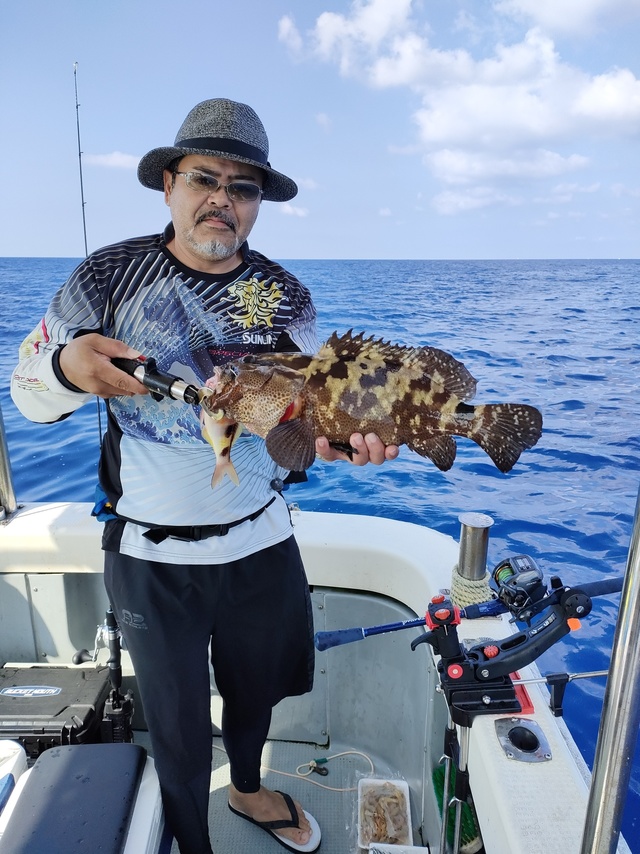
(220, 128)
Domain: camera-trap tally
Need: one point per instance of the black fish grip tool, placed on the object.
(161, 385)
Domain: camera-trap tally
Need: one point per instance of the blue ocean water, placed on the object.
(562, 335)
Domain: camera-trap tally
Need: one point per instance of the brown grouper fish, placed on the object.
(405, 395)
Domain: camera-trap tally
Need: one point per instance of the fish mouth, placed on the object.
(208, 215)
(217, 388)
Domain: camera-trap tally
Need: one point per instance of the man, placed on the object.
(188, 566)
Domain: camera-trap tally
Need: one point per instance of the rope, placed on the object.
(312, 765)
(466, 592)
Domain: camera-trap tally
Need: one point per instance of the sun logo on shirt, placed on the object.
(257, 302)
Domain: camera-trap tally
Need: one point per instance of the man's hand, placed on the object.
(370, 449)
(86, 362)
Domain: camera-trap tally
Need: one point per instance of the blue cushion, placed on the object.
(77, 798)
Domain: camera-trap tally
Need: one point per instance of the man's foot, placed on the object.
(265, 806)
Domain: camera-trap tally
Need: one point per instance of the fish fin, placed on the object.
(439, 366)
(224, 463)
(228, 468)
(213, 429)
(292, 444)
(444, 369)
(441, 449)
(349, 347)
(505, 430)
(344, 448)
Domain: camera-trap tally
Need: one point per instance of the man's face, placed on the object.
(209, 226)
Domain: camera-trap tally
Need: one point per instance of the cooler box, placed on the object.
(42, 707)
(84, 799)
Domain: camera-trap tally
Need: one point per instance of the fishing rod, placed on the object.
(84, 218)
(521, 592)
(338, 637)
(84, 221)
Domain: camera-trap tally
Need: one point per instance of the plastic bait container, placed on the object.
(384, 813)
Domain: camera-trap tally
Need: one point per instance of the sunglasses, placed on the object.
(237, 191)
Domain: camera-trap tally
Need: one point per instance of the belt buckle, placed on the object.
(188, 535)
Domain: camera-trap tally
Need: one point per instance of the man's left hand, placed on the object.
(370, 449)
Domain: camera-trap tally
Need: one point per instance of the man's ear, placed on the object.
(168, 180)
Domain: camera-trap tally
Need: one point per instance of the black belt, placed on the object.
(200, 532)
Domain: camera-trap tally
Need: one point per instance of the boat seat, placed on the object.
(77, 798)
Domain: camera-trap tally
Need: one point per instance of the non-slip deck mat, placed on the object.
(335, 812)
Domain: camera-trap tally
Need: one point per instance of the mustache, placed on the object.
(213, 214)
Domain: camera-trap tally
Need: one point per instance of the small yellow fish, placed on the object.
(220, 432)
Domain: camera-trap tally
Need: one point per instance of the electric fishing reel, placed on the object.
(520, 586)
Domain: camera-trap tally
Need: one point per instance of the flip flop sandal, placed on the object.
(270, 826)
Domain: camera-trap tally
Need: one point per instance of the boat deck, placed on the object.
(332, 800)
(376, 695)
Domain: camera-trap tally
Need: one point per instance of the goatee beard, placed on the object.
(215, 250)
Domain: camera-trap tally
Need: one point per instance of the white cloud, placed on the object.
(292, 210)
(410, 61)
(577, 188)
(366, 28)
(619, 190)
(307, 183)
(453, 201)
(609, 98)
(522, 95)
(467, 23)
(465, 167)
(569, 16)
(500, 117)
(384, 212)
(289, 35)
(115, 160)
(562, 194)
(323, 120)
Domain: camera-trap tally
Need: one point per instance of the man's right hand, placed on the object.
(86, 362)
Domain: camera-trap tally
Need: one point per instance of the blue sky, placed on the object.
(432, 129)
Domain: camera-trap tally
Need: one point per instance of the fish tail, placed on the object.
(224, 467)
(221, 435)
(505, 430)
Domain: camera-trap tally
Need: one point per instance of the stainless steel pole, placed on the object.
(474, 543)
(620, 716)
(8, 503)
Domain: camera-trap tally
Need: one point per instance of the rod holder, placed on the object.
(474, 544)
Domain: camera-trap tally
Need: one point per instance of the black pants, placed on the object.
(256, 613)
